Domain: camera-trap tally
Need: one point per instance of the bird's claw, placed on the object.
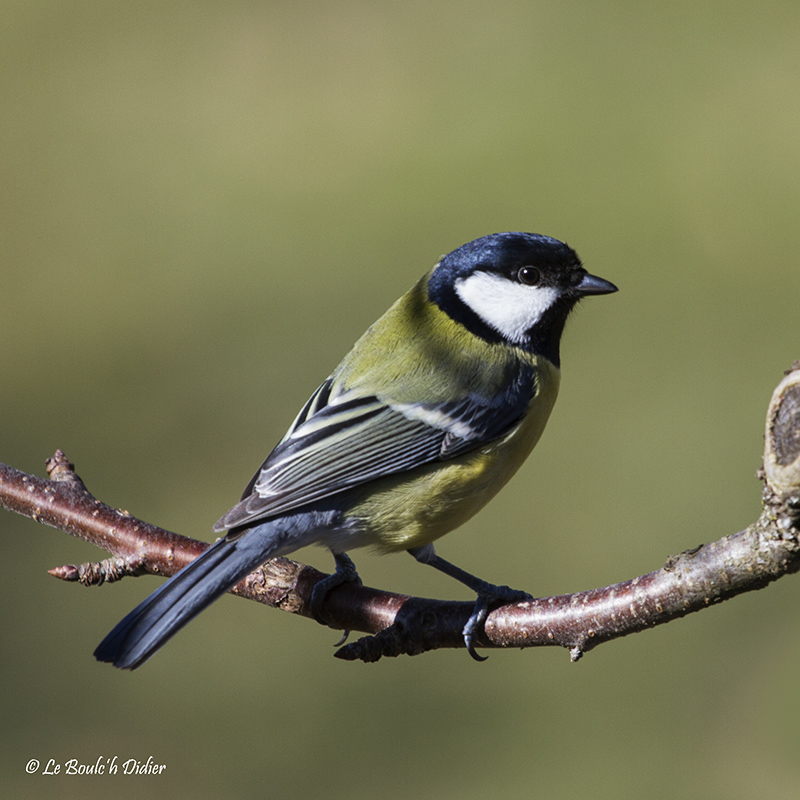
(345, 636)
(474, 624)
(345, 573)
(495, 597)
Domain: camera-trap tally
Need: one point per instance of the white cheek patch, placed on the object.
(510, 308)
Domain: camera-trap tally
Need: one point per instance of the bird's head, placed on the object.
(515, 288)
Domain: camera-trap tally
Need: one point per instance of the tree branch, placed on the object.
(691, 581)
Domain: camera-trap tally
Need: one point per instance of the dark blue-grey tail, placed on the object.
(159, 617)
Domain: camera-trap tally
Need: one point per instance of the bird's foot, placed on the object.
(489, 595)
(489, 598)
(345, 573)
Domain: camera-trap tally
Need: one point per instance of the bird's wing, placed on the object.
(335, 444)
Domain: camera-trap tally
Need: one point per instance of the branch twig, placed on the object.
(691, 581)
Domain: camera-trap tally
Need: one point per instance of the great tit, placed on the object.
(429, 415)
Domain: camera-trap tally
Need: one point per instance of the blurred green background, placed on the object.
(204, 204)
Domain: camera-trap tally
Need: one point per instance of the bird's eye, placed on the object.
(530, 276)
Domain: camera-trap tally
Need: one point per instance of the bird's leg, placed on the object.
(489, 595)
(345, 573)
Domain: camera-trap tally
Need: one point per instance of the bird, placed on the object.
(430, 414)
